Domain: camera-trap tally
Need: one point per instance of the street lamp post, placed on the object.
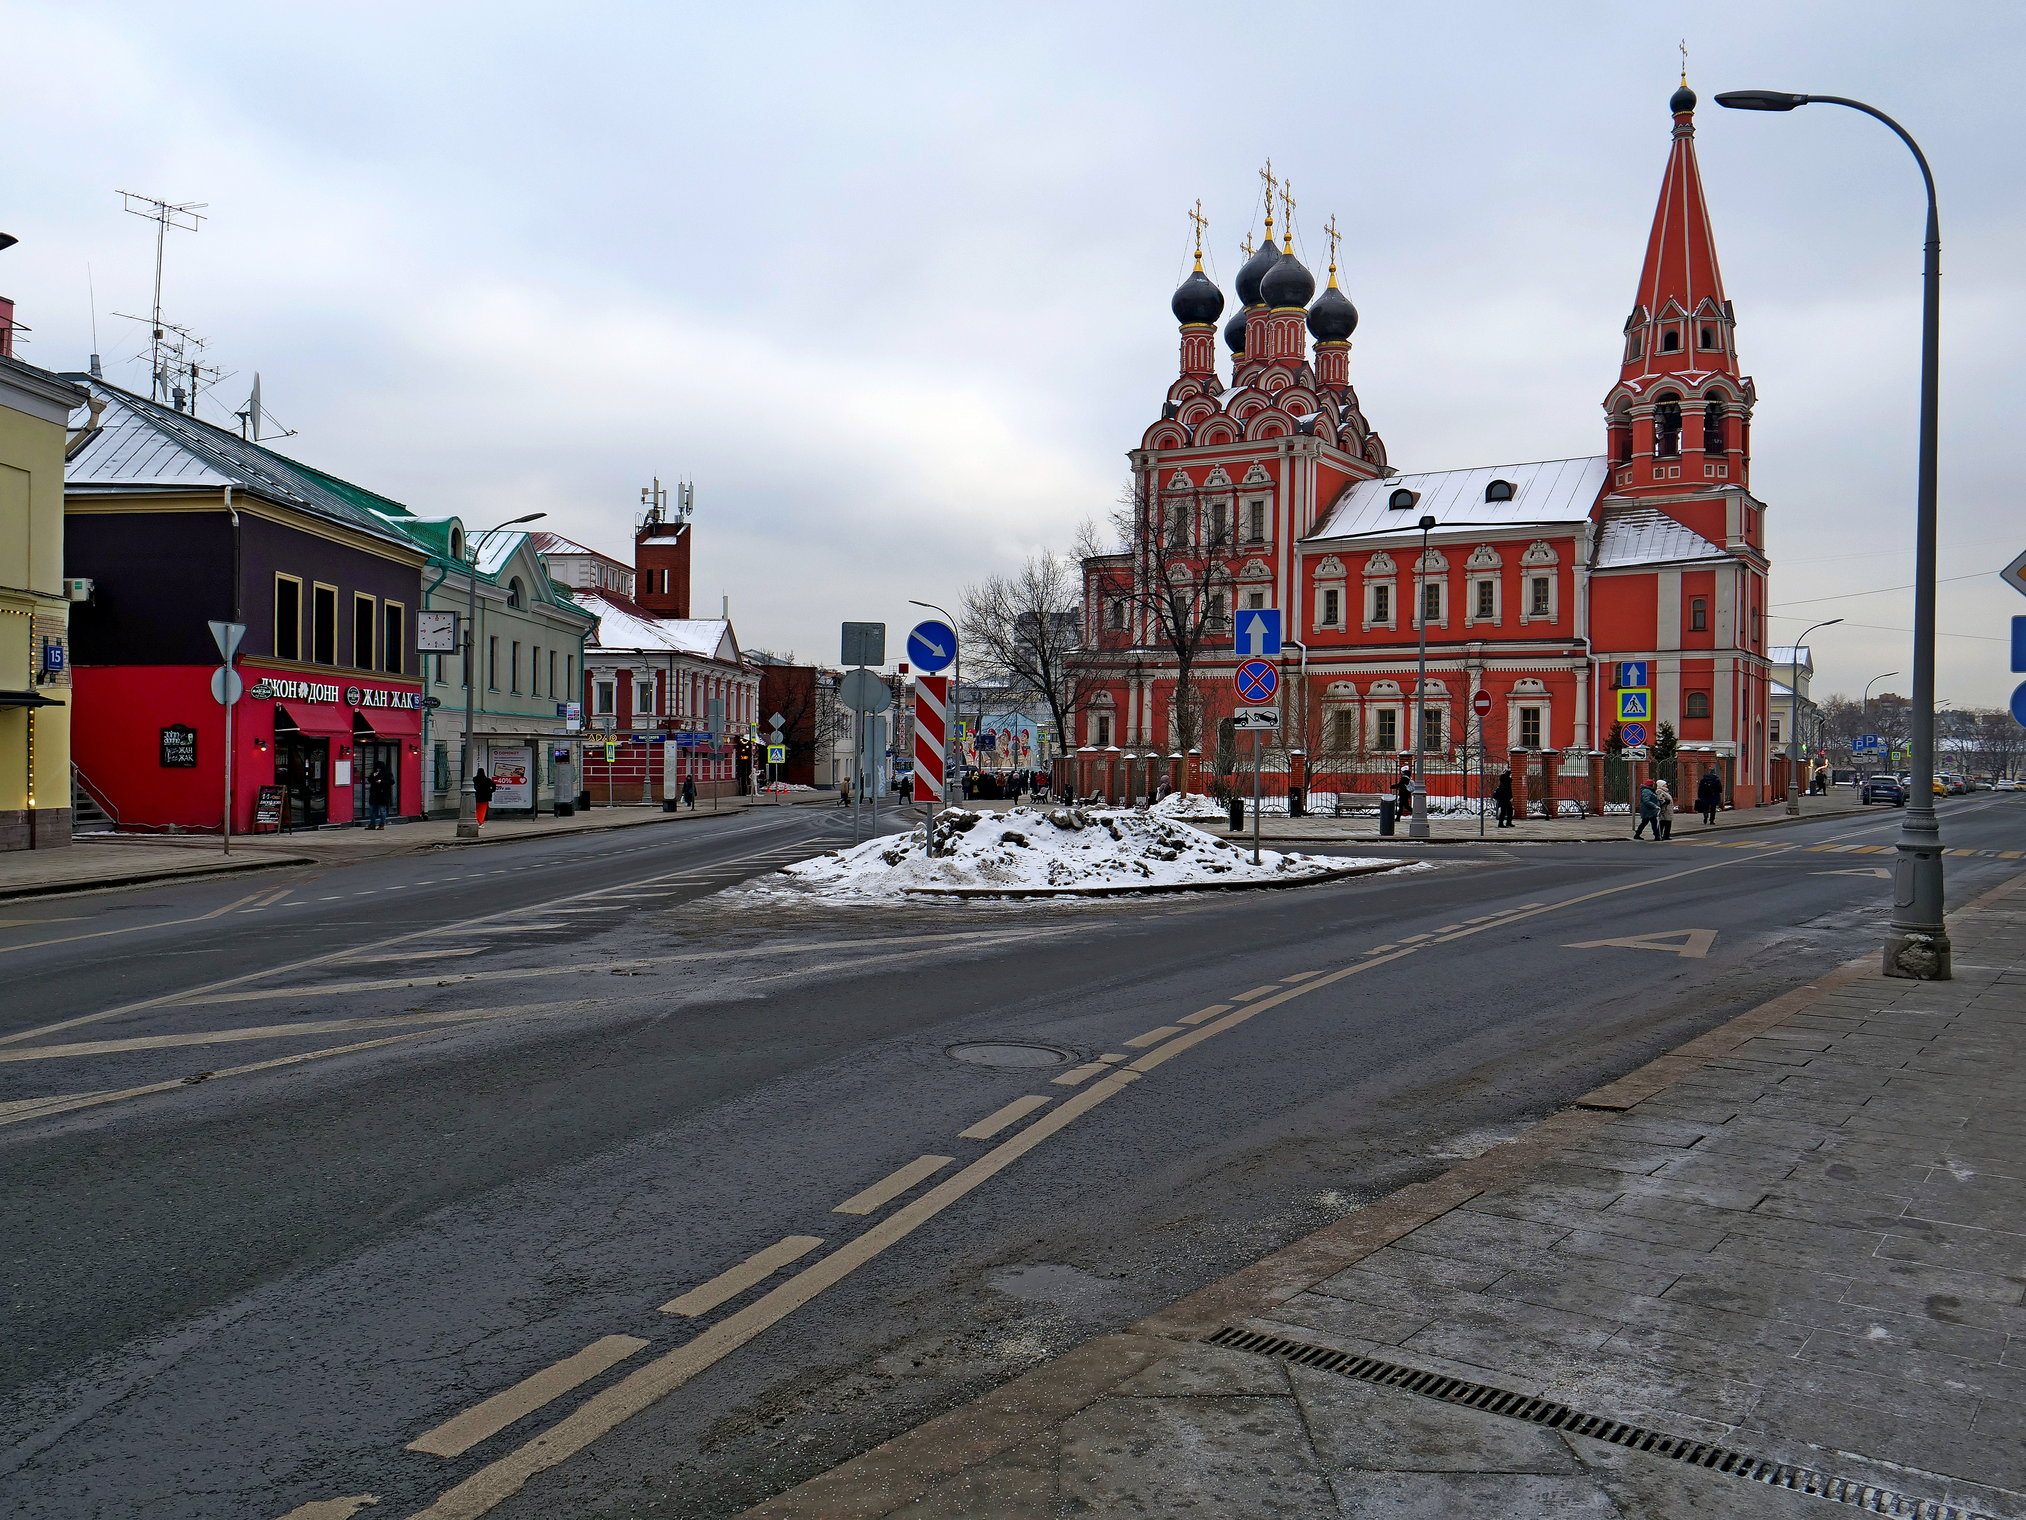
(1794, 717)
(1917, 942)
(1417, 820)
(467, 794)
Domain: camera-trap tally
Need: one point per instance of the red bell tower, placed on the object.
(661, 551)
(1679, 418)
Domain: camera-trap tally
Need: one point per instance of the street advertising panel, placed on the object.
(512, 769)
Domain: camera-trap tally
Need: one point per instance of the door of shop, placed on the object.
(369, 755)
(302, 764)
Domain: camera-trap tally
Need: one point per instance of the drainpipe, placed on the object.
(429, 754)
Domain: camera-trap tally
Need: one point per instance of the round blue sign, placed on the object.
(931, 646)
(2019, 703)
(1257, 681)
(1632, 733)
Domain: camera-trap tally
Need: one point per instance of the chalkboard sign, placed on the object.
(269, 808)
(179, 746)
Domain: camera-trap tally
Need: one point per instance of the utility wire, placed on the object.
(1881, 590)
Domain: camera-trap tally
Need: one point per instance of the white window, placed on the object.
(1431, 602)
(1386, 729)
(1382, 604)
(643, 698)
(1255, 521)
(1333, 608)
(1529, 728)
(1540, 596)
(1101, 731)
(605, 697)
(1486, 592)
(1431, 729)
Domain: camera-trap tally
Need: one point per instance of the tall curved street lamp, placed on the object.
(1794, 716)
(1864, 707)
(467, 794)
(1917, 941)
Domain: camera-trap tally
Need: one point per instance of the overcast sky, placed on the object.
(890, 283)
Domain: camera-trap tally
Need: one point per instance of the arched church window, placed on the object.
(1498, 490)
(1670, 341)
(515, 595)
(1621, 434)
(1707, 337)
(1667, 426)
(1712, 424)
(1696, 705)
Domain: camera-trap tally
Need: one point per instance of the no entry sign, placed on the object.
(1480, 703)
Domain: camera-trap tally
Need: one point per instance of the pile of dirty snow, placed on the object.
(1035, 849)
(1189, 805)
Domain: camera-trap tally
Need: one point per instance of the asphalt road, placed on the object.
(475, 1138)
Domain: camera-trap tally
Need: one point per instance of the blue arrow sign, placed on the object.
(931, 646)
(1258, 630)
(1632, 672)
(2019, 643)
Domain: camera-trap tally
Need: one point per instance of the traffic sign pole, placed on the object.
(227, 636)
(1255, 796)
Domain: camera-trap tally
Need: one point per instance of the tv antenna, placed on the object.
(162, 382)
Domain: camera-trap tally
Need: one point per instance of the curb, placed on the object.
(1364, 868)
(912, 1464)
(1765, 823)
(152, 878)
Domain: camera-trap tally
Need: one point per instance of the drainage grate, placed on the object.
(1539, 1411)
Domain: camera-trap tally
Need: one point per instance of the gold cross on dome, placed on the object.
(1267, 175)
(1684, 60)
(1247, 245)
(1201, 222)
(1330, 232)
(1287, 209)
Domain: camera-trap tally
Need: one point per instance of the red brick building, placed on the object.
(1538, 579)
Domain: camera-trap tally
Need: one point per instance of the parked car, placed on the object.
(1941, 787)
(1883, 789)
(2005, 784)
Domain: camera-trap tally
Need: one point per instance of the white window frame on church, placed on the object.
(1376, 614)
(1385, 739)
(1329, 606)
(1480, 585)
(1435, 587)
(1539, 701)
(1258, 526)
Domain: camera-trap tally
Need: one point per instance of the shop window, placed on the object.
(440, 768)
(287, 618)
(365, 614)
(324, 624)
(1698, 615)
(394, 638)
(1697, 705)
(1530, 728)
(1539, 591)
(1333, 608)
(1386, 729)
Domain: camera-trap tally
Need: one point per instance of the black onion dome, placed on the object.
(1253, 270)
(1333, 318)
(1681, 100)
(1197, 299)
(1234, 332)
(1288, 283)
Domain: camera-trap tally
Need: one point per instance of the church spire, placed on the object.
(1680, 323)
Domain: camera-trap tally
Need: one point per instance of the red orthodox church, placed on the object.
(1538, 582)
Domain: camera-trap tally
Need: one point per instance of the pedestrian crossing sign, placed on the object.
(1635, 704)
(777, 754)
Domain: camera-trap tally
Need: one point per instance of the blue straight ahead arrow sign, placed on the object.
(1258, 631)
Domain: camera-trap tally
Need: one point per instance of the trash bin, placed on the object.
(1388, 811)
(1236, 807)
(1297, 802)
(565, 809)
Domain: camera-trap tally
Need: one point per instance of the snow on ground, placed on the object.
(1028, 849)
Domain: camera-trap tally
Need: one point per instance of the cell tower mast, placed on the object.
(164, 216)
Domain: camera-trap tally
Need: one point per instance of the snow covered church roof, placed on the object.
(1644, 536)
(1549, 490)
(624, 624)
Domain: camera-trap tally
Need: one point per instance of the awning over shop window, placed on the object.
(313, 718)
(388, 722)
(27, 699)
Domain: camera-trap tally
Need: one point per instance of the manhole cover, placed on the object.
(1008, 1053)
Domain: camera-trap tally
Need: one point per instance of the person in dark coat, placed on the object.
(689, 793)
(379, 797)
(1501, 798)
(1403, 795)
(1649, 812)
(482, 787)
(1709, 796)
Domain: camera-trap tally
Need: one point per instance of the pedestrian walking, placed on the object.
(1501, 798)
(1709, 796)
(907, 788)
(1665, 796)
(1649, 811)
(844, 792)
(482, 788)
(379, 797)
(689, 793)
(1403, 796)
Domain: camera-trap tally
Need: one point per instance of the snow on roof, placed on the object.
(555, 543)
(1551, 490)
(1788, 654)
(625, 624)
(1643, 536)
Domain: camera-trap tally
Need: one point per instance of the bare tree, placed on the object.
(1169, 581)
(1026, 630)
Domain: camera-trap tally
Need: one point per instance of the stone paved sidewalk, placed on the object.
(1802, 1237)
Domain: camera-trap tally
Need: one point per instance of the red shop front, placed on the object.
(149, 741)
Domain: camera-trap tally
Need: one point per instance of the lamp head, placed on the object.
(531, 517)
(1760, 100)
(1425, 524)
